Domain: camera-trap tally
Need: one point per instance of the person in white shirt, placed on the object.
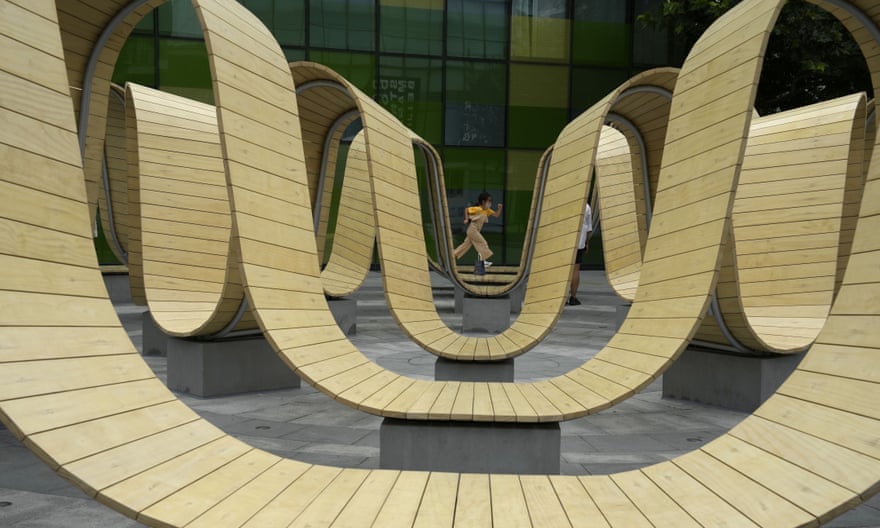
(583, 247)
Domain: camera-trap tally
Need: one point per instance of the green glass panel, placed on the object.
(475, 102)
(177, 18)
(522, 167)
(538, 105)
(146, 23)
(262, 8)
(589, 86)
(358, 68)
(102, 246)
(290, 22)
(137, 62)
(539, 31)
(411, 26)
(534, 127)
(601, 43)
(650, 46)
(411, 89)
(342, 24)
(184, 69)
(476, 28)
(601, 36)
(294, 54)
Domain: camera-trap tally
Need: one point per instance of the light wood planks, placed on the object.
(184, 255)
(805, 456)
(116, 167)
(782, 268)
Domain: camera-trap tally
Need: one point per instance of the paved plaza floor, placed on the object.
(309, 426)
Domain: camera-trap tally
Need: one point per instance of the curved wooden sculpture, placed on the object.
(787, 223)
(326, 114)
(641, 112)
(113, 184)
(622, 238)
(92, 35)
(625, 207)
(182, 249)
(95, 412)
(355, 235)
(408, 287)
(788, 244)
(327, 110)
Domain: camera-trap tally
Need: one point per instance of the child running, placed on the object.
(478, 215)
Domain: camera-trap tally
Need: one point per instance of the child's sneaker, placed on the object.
(486, 264)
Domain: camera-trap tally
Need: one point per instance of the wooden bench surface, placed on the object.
(790, 223)
(116, 173)
(781, 272)
(182, 251)
(94, 412)
(355, 236)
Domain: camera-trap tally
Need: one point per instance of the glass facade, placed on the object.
(490, 83)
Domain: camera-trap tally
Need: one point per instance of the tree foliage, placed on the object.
(811, 57)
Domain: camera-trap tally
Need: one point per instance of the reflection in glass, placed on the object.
(601, 35)
(475, 102)
(538, 105)
(342, 24)
(650, 46)
(539, 30)
(411, 88)
(412, 26)
(476, 28)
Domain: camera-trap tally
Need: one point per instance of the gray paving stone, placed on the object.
(38, 510)
(263, 428)
(332, 460)
(328, 434)
(341, 450)
(626, 444)
(284, 447)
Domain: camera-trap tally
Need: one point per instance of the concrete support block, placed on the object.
(118, 288)
(345, 313)
(449, 370)
(517, 295)
(516, 298)
(155, 341)
(622, 312)
(470, 447)
(216, 368)
(732, 381)
(485, 315)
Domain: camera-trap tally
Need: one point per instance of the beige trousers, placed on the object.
(474, 238)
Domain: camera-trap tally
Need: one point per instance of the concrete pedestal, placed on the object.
(485, 315)
(216, 368)
(155, 341)
(516, 298)
(622, 312)
(459, 296)
(517, 295)
(735, 382)
(449, 370)
(117, 287)
(345, 313)
(470, 447)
